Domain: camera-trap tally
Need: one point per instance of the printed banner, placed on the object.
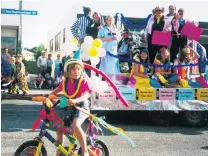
(108, 95)
(161, 38)
(167, 94)
(192, 31)
(146, 94)
(186, 94)
(202, 94)
(128, 92)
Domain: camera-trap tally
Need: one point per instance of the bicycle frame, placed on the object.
(44, 125)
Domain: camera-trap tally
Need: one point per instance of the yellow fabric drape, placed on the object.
(140, 81)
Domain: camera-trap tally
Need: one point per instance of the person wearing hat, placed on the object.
(178, 40)
(20, 75)
(140, 71)
(78, 29)
(77, 91)
(42, 63)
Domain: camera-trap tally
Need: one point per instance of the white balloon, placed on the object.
(88, 39)
(104, 85)
(94, 60)
(85, 57)
(94, 80)
(73, 47)
(102, 52)
(85, 48)
(67, 49)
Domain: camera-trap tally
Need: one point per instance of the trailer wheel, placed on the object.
(195, 118)
(161, 118)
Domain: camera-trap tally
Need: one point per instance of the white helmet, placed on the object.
(72, 61)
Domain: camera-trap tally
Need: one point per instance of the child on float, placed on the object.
(140, 71)
(77, 91)
(163, 68)
(185, 79)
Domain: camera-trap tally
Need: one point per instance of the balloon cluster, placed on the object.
(98, 85)
(92, 49)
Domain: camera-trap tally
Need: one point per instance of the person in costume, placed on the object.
(140, 71)
(78, 29)
(110, 37)
(20, 75)
(185, 79)
(163, 70)
(77, 91)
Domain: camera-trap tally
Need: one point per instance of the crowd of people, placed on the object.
(13, 72)
(156, 69)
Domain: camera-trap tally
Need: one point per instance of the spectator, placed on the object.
(5, 54)
(158, 23)
(64, 60)
(49, 64)
(58, 80)
(39, 80)
(178, 40)
(57, 70)
(42, 63)
(29, 82)
(49, 81)
(110, 37)
(78, 29)
(12, 87)
(21, 78)
(6, 67)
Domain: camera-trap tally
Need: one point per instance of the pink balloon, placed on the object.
(119, 95)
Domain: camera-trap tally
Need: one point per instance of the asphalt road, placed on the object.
(18, 116)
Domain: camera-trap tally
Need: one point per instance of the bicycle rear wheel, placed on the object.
(29, 149)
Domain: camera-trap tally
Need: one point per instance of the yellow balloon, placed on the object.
(93, 52)
(73, 40)
(97, 43)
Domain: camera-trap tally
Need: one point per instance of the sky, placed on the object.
(50, 12)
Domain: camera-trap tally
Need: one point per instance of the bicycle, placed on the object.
(50, 120)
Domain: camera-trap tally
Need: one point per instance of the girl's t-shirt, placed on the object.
(71, 88)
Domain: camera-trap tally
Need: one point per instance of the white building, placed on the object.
(58, 38)
(10, 25)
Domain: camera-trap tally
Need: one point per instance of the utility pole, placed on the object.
(20, 32)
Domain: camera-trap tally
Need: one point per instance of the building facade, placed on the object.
(10, 27)
(58, 38)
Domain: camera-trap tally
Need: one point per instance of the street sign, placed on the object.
(23, 12)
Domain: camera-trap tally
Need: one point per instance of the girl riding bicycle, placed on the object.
(77, 91)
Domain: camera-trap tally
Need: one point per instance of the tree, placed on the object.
(39, 50)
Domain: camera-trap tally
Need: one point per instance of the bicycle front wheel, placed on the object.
(29, 148)
(99, 148)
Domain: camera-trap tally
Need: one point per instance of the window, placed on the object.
(64, 35)
(57, 42)
(51, 45)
